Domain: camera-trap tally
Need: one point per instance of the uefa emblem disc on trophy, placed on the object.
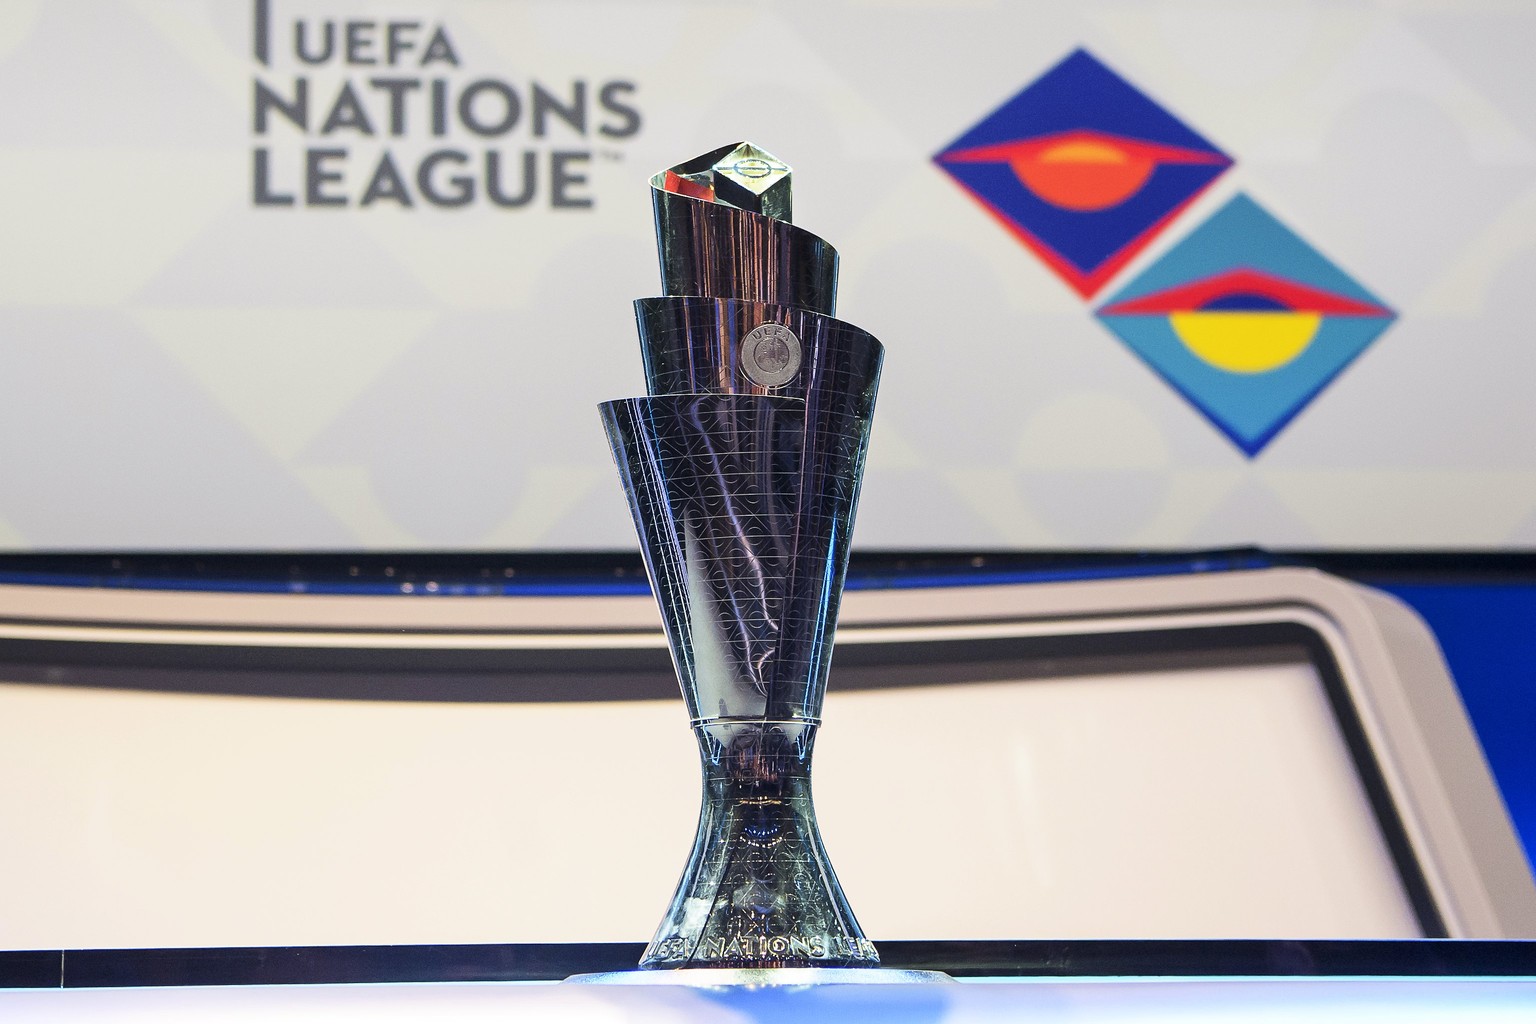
(770, 355)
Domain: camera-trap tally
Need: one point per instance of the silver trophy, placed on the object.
(742, 468)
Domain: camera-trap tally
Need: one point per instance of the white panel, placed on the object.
(1213, 803)
(1209, 803)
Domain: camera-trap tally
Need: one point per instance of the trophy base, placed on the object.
(762, 977)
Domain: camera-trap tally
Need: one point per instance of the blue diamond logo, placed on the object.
(1247, 321)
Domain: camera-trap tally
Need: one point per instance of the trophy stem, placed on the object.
(758, 891)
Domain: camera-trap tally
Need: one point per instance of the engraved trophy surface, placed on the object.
(742, 468)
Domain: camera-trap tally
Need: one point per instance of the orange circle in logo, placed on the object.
(1083, 174)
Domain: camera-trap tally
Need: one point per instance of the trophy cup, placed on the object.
(742, 468)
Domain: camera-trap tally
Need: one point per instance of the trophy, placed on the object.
(742, 468)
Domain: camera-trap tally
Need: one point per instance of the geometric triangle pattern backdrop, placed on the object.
(187, 369)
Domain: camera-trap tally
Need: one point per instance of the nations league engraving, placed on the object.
(742, 469)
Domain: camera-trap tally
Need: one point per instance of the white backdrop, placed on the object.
(183, 367)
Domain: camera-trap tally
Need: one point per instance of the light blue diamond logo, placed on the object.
(1247, 321)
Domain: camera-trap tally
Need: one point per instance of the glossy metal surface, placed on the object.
(694, 344)
(744, 506)
(742, 469)
(709, 247)
(739, 175)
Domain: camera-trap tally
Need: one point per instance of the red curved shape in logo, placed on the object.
(1264, 291)
(1082, 170)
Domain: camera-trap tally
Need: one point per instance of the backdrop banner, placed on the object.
(336, 274)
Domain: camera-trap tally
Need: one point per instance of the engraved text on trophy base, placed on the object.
(757, 949)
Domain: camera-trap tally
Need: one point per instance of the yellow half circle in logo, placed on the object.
(1246, 342)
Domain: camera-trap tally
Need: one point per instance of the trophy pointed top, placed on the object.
(741, 175)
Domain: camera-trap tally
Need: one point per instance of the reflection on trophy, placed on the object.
(742, 469)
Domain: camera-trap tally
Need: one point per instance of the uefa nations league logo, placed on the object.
(384, 111)
(1243, 318)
